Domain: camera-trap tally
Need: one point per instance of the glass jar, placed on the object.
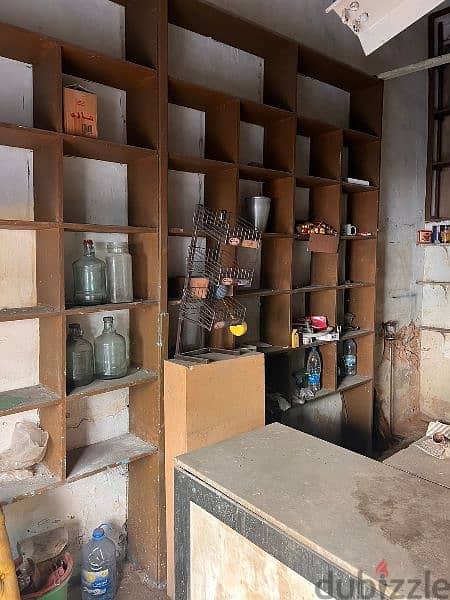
(110, 352)
(89, 277)
(79, 358)
(119, 273)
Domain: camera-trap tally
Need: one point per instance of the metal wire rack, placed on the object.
(213, 268)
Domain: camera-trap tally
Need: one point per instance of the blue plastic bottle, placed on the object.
(98, 566)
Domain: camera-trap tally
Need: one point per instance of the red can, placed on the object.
(424, 236)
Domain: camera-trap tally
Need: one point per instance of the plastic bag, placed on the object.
(28, 447)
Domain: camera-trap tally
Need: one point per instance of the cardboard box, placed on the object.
(323, 243)
(80, 112)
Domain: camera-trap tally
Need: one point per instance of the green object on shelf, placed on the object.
(59, 593)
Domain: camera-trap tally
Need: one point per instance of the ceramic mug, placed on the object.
(349, 229)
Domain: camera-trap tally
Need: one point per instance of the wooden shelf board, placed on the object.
(356, 188)
(355, 284)
(27, 225)
(85, 310)
(42, 481)
(310, 127)
(359, 238)
(439, 113)
(312, 288)
(262, 174)
(30, 312)
(19, 136)
(95, 228)
(98, 149)
(352, 136)
(353, 334)
(433, 245)
(443, 283)
(192, 164)
(441, 165)
(121, 450)
(349, 383)
(311, 182)
(269, 235)
(29, 398)
(191, 95)
(113, 72)
(260, 292)
(101, 386)
(262, 114)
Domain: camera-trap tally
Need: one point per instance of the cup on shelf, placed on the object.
(349, 229)
(256, 211)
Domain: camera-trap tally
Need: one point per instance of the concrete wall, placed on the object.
(99, 23)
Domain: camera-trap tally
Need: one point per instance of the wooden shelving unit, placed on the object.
(330, 284)
(54, 220)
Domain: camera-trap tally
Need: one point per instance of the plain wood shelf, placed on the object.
(305, 289)
(121, 450)
(309, 127)
(42, 481)
(192, 164)
(437, 166)
(262, 114)
(98, 149)
(348, 383)
(439, 113)
(357, 188)
(355, 284)
(30, 312)
(442, 283)
(260, 292)
(312, 182)
(85, 310)
(29, 398)
(261, 174)
(352, 136)
(95, 228)
(358, 238)
(27, 225)
(100, 386)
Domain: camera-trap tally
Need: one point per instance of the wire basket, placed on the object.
(225, 227)
(211, 313)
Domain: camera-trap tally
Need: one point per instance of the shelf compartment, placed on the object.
(129, 175)
(312, 269)
(357, 260)
(361, 302)
(318, 150)
(45, 167)
(143, 248)
(315, 303)
(42, 481)
(280, 54)
(121, 450)
(281, 193)
(138, 82)
(44, 56)
(85, 310)
(221, 115)
(361, 209)
(352, 136)
(192, 164)
(275, 317)
(362, 161)
(279, 129)
(276, 264)
(135, 377)
(261, 174)
(364, 358)
(29, 398)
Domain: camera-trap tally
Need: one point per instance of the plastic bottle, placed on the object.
(89, 277)
(314, 370)
(119, 273)
(111, 360)
(98, 566)
(79, 358)
(350, 367)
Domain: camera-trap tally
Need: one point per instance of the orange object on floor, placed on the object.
(9, 588)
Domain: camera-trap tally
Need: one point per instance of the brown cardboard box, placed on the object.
(323, 243)
(80, 112)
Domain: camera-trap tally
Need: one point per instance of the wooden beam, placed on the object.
(423, 65)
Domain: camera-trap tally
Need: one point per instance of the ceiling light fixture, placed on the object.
(376, 22)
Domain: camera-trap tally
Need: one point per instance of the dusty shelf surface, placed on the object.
(41, 481)
(134, 586)
(319, 493)
(27, 398)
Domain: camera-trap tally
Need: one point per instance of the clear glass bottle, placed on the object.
(79, 358)
(110, 352)
(89, 277)
(119, 273)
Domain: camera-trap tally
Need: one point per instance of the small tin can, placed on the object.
(424, 236)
